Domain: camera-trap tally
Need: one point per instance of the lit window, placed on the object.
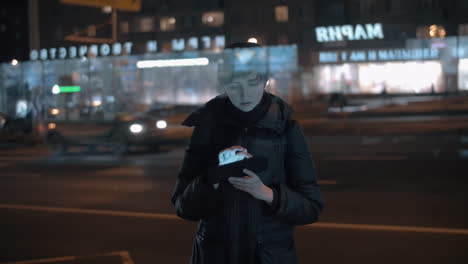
(433, 31)
(214, 19)
(252, 40)
(167, 23)
(146, 24)
(281, 13)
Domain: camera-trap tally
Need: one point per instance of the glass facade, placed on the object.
(115, 84)
(374, 78)
(423, 66)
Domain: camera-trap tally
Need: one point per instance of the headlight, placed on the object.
(161, 124)
(51, 126)
(136, 128)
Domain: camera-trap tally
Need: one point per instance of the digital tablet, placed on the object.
(256, 164)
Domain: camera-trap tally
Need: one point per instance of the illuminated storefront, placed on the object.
(423, 66)
(373, 78)
(463, 74)
(59, 83)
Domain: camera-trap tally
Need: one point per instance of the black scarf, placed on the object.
(241, 212)
(243, 119)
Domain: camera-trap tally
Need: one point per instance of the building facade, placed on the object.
(349, 46)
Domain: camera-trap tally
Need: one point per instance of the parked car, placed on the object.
(142, 129)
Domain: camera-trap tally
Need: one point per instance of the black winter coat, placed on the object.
(291, 174)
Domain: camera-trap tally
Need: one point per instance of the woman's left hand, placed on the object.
(252, 184)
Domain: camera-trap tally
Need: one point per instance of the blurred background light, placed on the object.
(173, 63)
(252, 40)
(161, 124)
(55, 89)
(54, 111)
(136, 128)
(51, 126)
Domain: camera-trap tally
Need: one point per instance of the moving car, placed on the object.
(143, 129)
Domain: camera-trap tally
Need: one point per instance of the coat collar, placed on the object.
(275, 118)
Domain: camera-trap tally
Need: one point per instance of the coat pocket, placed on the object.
(277, 252)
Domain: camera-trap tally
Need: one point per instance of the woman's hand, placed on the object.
(252, 184)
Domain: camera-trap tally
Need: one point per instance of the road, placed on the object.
(389, 199)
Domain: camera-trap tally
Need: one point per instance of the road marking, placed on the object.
(21, 175)
(454, 231)
(19, 158)
(88, 211)
(126, 259)
(417, 229)
(122, 171)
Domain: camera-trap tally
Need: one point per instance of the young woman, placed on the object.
(247, 219)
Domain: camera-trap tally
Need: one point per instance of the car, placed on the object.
(147, 128)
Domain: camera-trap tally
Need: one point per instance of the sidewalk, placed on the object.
(403, 106)
(392, 115)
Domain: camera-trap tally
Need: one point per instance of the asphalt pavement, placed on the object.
(381, 207)
(395, 191)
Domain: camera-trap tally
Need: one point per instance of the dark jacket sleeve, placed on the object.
(300, 201)
(193, 197)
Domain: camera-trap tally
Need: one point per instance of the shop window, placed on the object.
(433, 31)
(146, 24)
(213, 19)
(167, 23)
(281, 14)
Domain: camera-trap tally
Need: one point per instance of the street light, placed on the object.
(14, 62)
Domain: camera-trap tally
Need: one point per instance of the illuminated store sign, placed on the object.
(349, 32)
(81, 51)
(116, 49)
(181, 44)
(379, 55)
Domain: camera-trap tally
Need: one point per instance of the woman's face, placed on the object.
(245, 90)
